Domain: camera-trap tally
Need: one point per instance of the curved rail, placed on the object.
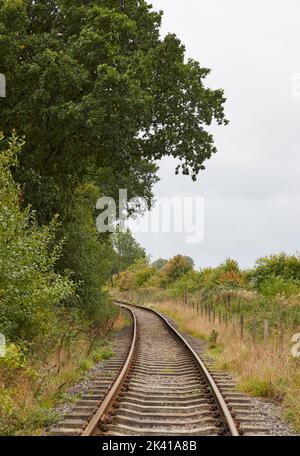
(221, 404)
(113, 392)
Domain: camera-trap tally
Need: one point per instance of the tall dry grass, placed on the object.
(261, 368)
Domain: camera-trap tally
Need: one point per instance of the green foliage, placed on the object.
(227, 275)
(189, 282)
(282, 266)
(229, 265)
(85, 365)
(189, 260)
(226, 288)
(124, 96)
(31, 292)
(100, 97)
(175, 268)
(136, 276)
(14, 366)
(208, 278)
(14, 369)
(127, 251)
(258, 387)
(88, 255)
(275, 286)
(101, 354)
(159, 264)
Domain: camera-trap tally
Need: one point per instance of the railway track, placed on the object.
(168, 390)
(158, 385)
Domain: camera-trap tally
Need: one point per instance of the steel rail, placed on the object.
(104, 408)
(219, 399)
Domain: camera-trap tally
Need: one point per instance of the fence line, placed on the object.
(241, 326)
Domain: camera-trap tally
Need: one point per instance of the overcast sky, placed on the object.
(251, 186)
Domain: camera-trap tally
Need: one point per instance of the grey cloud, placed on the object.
(251, 186)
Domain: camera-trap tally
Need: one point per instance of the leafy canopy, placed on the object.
(93, 86)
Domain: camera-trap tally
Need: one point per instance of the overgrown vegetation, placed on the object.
(32, 293)
(271, 290)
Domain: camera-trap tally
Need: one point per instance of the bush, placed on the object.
(274, 286)
(285, 266)
(136, 276)
(175, 268)
(31, 292)
(212, 340)
(188, 282)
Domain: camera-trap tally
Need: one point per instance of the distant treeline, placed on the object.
(270, 290)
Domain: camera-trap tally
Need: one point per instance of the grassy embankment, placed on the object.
(29, 392)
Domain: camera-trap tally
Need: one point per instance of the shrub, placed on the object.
(212, 340)
(136, 276)
(285, 266)
(274, 286)
(31, 292)
(175, 268)
(101, 354)
(188, 282)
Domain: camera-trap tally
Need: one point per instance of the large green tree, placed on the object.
(99, 97)
(92, 86)
(127, 250)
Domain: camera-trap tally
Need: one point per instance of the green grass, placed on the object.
(101, 354)
(257, 387)
(216, 352)
(85, 365)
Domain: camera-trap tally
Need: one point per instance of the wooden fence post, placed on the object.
(266, 331)
(254, 330)
(233, 324)
(186, 296)
(242, 327)
(281, 335)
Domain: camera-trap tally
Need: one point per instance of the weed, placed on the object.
(212, 340)
(102, 354)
